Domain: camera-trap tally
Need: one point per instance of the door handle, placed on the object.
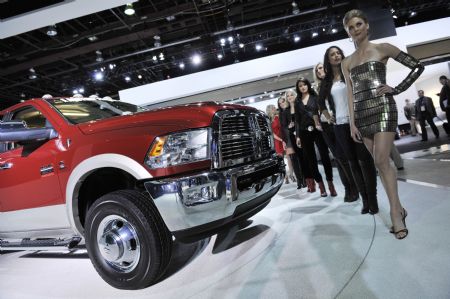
(7, 165)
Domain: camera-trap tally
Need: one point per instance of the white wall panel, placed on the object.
(280, 64)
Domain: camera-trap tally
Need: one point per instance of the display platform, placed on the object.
(300, 246)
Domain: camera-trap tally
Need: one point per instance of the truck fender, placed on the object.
(87, 166)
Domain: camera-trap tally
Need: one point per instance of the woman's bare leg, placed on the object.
(382, 143)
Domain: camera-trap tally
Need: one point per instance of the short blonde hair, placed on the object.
(290, 91)
(354, 13)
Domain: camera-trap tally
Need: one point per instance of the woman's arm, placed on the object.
(390, 51)
(356, 135)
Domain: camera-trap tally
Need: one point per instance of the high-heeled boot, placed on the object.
(297, 169)
(360, 184)
(323, 191)
(333, 192)
(370, 178)
(345, 174)
(310, 185)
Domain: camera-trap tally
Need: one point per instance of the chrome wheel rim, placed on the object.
(118, 243)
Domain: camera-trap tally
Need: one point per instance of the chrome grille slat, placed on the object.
(242, 136)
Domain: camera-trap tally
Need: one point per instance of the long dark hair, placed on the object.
(327, 82)
(306, 81)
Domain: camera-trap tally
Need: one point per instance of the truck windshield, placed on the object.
(80, 111)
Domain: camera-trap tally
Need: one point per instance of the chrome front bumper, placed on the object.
(194, 201)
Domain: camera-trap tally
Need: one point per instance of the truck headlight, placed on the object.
(179, 148)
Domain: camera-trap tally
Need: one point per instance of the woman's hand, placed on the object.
(284, 145)
(356, 135)
(299, 142)
(291, 125)
(332, 120)
(319, 127)
(383, 89)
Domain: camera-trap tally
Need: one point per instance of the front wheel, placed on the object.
(127, 241)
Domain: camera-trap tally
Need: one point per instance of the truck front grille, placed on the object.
(241, 136)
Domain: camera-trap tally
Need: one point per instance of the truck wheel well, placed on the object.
(99, 183)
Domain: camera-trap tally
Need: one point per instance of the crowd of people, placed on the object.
(349, 111)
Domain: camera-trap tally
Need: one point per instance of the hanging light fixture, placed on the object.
(129, 10)
(295, 9)
(51, 30)
(32, 75)
(157, 39)
(99, 56)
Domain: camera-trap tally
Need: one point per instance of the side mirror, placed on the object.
(15, 131)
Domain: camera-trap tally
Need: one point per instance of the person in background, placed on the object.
(307, 135)
(410, 114)
(444, 96)
(425, 111)
(397, 158)
(327, 128)
(272, 112)
(355, 156)
(287, 134)
(372, 108)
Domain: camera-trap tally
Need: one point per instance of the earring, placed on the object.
(350, 40)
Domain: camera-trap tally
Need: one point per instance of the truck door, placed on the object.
(28, 176)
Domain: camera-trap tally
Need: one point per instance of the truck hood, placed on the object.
(195, 115)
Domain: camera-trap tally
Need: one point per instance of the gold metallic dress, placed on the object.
(378, 113)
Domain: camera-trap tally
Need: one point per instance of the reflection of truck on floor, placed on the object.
(128, 180)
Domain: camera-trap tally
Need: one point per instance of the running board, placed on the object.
(41, 244)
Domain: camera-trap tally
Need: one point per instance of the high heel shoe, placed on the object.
(405, 230)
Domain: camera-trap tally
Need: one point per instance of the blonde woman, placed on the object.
(372, 108)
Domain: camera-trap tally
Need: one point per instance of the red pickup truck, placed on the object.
(126, 181)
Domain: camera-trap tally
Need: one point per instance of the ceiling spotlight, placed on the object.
(81, 90)
(170, 18)
(334, 30)
(112, 66)
(92, 38)
(241, 45)
(229, 25)
(219, 56)
(127, 78)
(157, 39)
(258, 47)
(75, 91)
(314, 34)
(412, 13)
(295, 9)
(139, 76)
(230, 39)
(251, 100)
(196, 59)
(155, 58)
(394, 16)
(99, 56)
(98, 76)
(161, 56)
(32, 74)
(181, 65)
(296, 38)
(51, 30)
(222, 42)
(129, 10)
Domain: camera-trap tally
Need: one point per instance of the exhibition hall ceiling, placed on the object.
(109, 50)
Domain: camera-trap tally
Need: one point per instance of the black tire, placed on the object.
(149, 238)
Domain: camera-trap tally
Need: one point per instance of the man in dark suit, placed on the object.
(425, 111)
(444, 96)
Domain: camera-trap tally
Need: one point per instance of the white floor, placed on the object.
(300, 246)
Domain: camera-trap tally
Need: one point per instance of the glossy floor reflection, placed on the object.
(300, 246)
